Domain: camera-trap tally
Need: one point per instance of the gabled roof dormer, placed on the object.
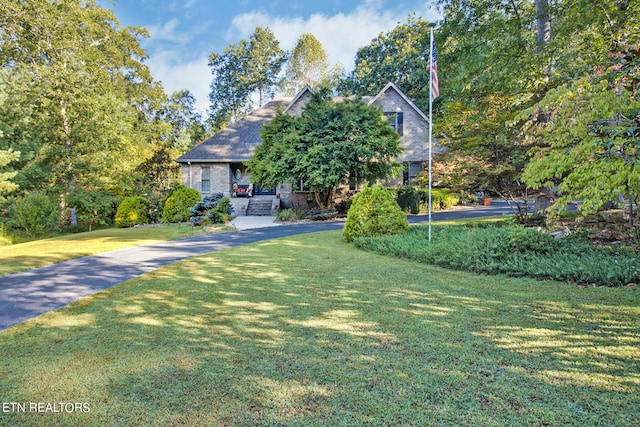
(392, 87)
(298, 103)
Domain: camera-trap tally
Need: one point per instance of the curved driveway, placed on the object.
(28, 294)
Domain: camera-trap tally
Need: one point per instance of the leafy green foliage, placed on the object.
(221, 213)
(6, 185)
(132, 211)
(291, 215)
(493, 68)
(441, 198)
(215, 207)
(408, 198)
(330, 144)
(415, 199)
(36, 214)
(241, 70)
(397, 56)
(177, 207)
(515, 251)
(589, 139)
(82, 108)
(317, 214)
(96, 207)
(307, 65)
(374, 212)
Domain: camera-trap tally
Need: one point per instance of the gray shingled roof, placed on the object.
(237, 142)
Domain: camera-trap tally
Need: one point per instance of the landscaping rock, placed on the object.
(615, 216)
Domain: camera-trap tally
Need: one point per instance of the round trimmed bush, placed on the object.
(374, 212)
(132, 211)
(176, 208)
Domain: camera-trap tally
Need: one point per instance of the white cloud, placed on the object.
(176, 74)
(167, 32)
(341, 35)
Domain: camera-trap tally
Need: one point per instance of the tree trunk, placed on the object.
(67, 142)
(324, 198)
(543, 23)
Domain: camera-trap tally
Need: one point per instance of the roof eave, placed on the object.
(402, 95)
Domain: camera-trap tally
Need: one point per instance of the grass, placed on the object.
(310, 331)
(38, 253)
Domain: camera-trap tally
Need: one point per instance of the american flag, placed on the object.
(433, 66)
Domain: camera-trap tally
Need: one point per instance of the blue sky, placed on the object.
(183, 33)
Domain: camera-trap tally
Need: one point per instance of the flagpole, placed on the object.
(432, 25)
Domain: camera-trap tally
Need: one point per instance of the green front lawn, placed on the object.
(38, 253)
(311, 331)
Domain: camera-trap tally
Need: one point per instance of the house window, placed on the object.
(206, 179)
(353, 182)
(412, 171)
(396, 120)
(301, 186)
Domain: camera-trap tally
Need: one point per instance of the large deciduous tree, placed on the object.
(489, 71)
(242, 70)
(330, 144)
(397, 56)
(82, 102)
(308, 65)
(590, 139)
(499, 58)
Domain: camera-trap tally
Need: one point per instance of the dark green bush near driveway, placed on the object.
(514, 251)
(176, 209)
(374, 212)
(132, 211)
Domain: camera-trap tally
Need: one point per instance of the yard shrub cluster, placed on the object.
(35, 214)
(441, 198)
(408, 198)
(514, 251)
(176, 208)
(414, 200)
(214, 208)
(133, 210)
(374, 212)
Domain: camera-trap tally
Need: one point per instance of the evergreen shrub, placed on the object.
(512, 250)
(132, 211)
(408, 198)
(176, 208)
(374, 212)
(215, 208)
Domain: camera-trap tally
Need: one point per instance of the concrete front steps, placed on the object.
(261, 206)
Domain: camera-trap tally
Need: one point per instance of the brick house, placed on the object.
(217, 164)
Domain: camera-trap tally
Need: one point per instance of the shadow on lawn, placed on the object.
(241, 338)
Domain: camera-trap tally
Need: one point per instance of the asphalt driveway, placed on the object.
(28, 294)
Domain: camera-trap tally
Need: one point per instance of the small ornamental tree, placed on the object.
(590, 140)
(93, 207)
(330, 144)
(374, 212)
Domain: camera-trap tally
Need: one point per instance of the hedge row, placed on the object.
(513, 250)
